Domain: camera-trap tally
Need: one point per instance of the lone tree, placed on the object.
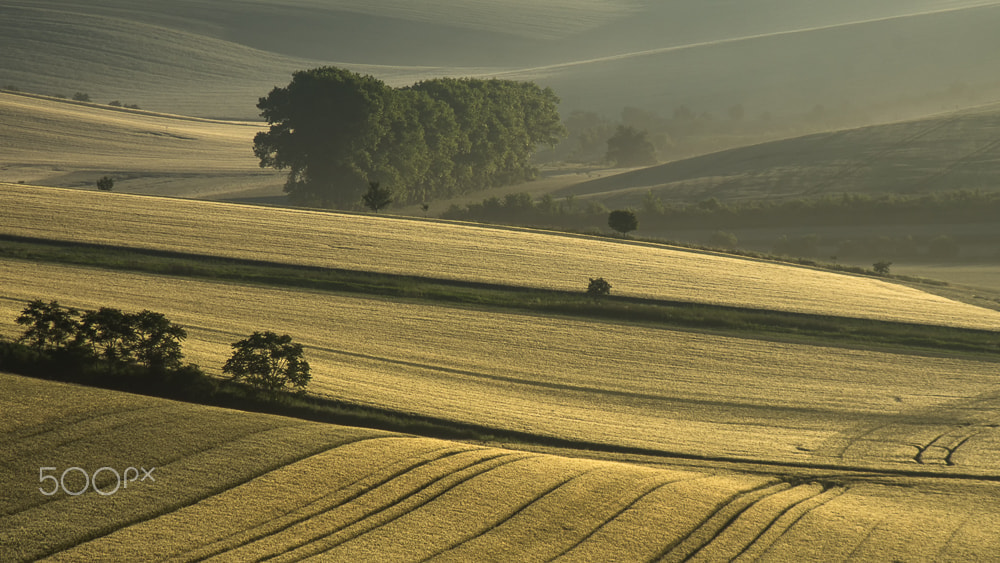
(623, 221)
(598, 287)
(106, 183)
(268, 362)
(630, 147)
(377, 197)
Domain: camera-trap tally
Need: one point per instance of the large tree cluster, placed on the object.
(335, 131)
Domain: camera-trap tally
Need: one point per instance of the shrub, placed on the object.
(598, 287)
(81, 97)
(106, 183)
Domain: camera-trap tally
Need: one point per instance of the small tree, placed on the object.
(623, 221)
(81, 97)
(377, 197)
(882, 267)
(50, 326)
(106, 183)
(268, 362)
(598, 288)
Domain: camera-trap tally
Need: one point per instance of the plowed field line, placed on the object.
(808, 493)
(43, 500)
(177, 505)
(339, 497)
(395, 510)
(657, 484)
(731, 541)
(784, 523)
(63, 421)
(510, 515)
(725, 514)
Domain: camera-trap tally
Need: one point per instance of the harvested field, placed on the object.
(268, 486)
(623, 385)
(465, 252)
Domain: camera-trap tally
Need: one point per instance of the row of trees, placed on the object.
(335, 130)
(147, 342)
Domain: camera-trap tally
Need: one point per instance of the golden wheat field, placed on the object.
(55, 142)
(233, 486)
(617, 384)
(466, 252)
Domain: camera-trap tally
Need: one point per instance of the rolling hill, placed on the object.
(216, 58)
(951, 151)
(691, 393)
(265, 486)
(465, 252)
(73, 144)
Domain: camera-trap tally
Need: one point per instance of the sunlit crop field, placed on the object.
(682, 392)
(466, 252)
(260, 486)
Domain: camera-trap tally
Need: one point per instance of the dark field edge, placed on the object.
(736, 321)
(192, 386)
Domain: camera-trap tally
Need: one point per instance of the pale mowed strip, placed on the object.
(465, 252)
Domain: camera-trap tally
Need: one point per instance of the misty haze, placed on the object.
(569, 280)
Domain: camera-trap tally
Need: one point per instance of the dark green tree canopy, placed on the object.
(335, 130)
(623, 221)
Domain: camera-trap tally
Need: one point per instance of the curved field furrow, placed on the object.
(280, 499)
(780, 527)
(662, 518)
(298, 489)
(192, 452)
(465, 252)
(718, 520)
(564, 517)
(739, 534)
(377, 508)
(644, 488)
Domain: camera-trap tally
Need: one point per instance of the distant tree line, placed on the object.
(963, 206)
(335, 131)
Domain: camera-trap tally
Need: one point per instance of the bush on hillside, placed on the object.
(106, 183)
(598, 287)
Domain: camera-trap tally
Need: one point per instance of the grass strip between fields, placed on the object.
(756, 323)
